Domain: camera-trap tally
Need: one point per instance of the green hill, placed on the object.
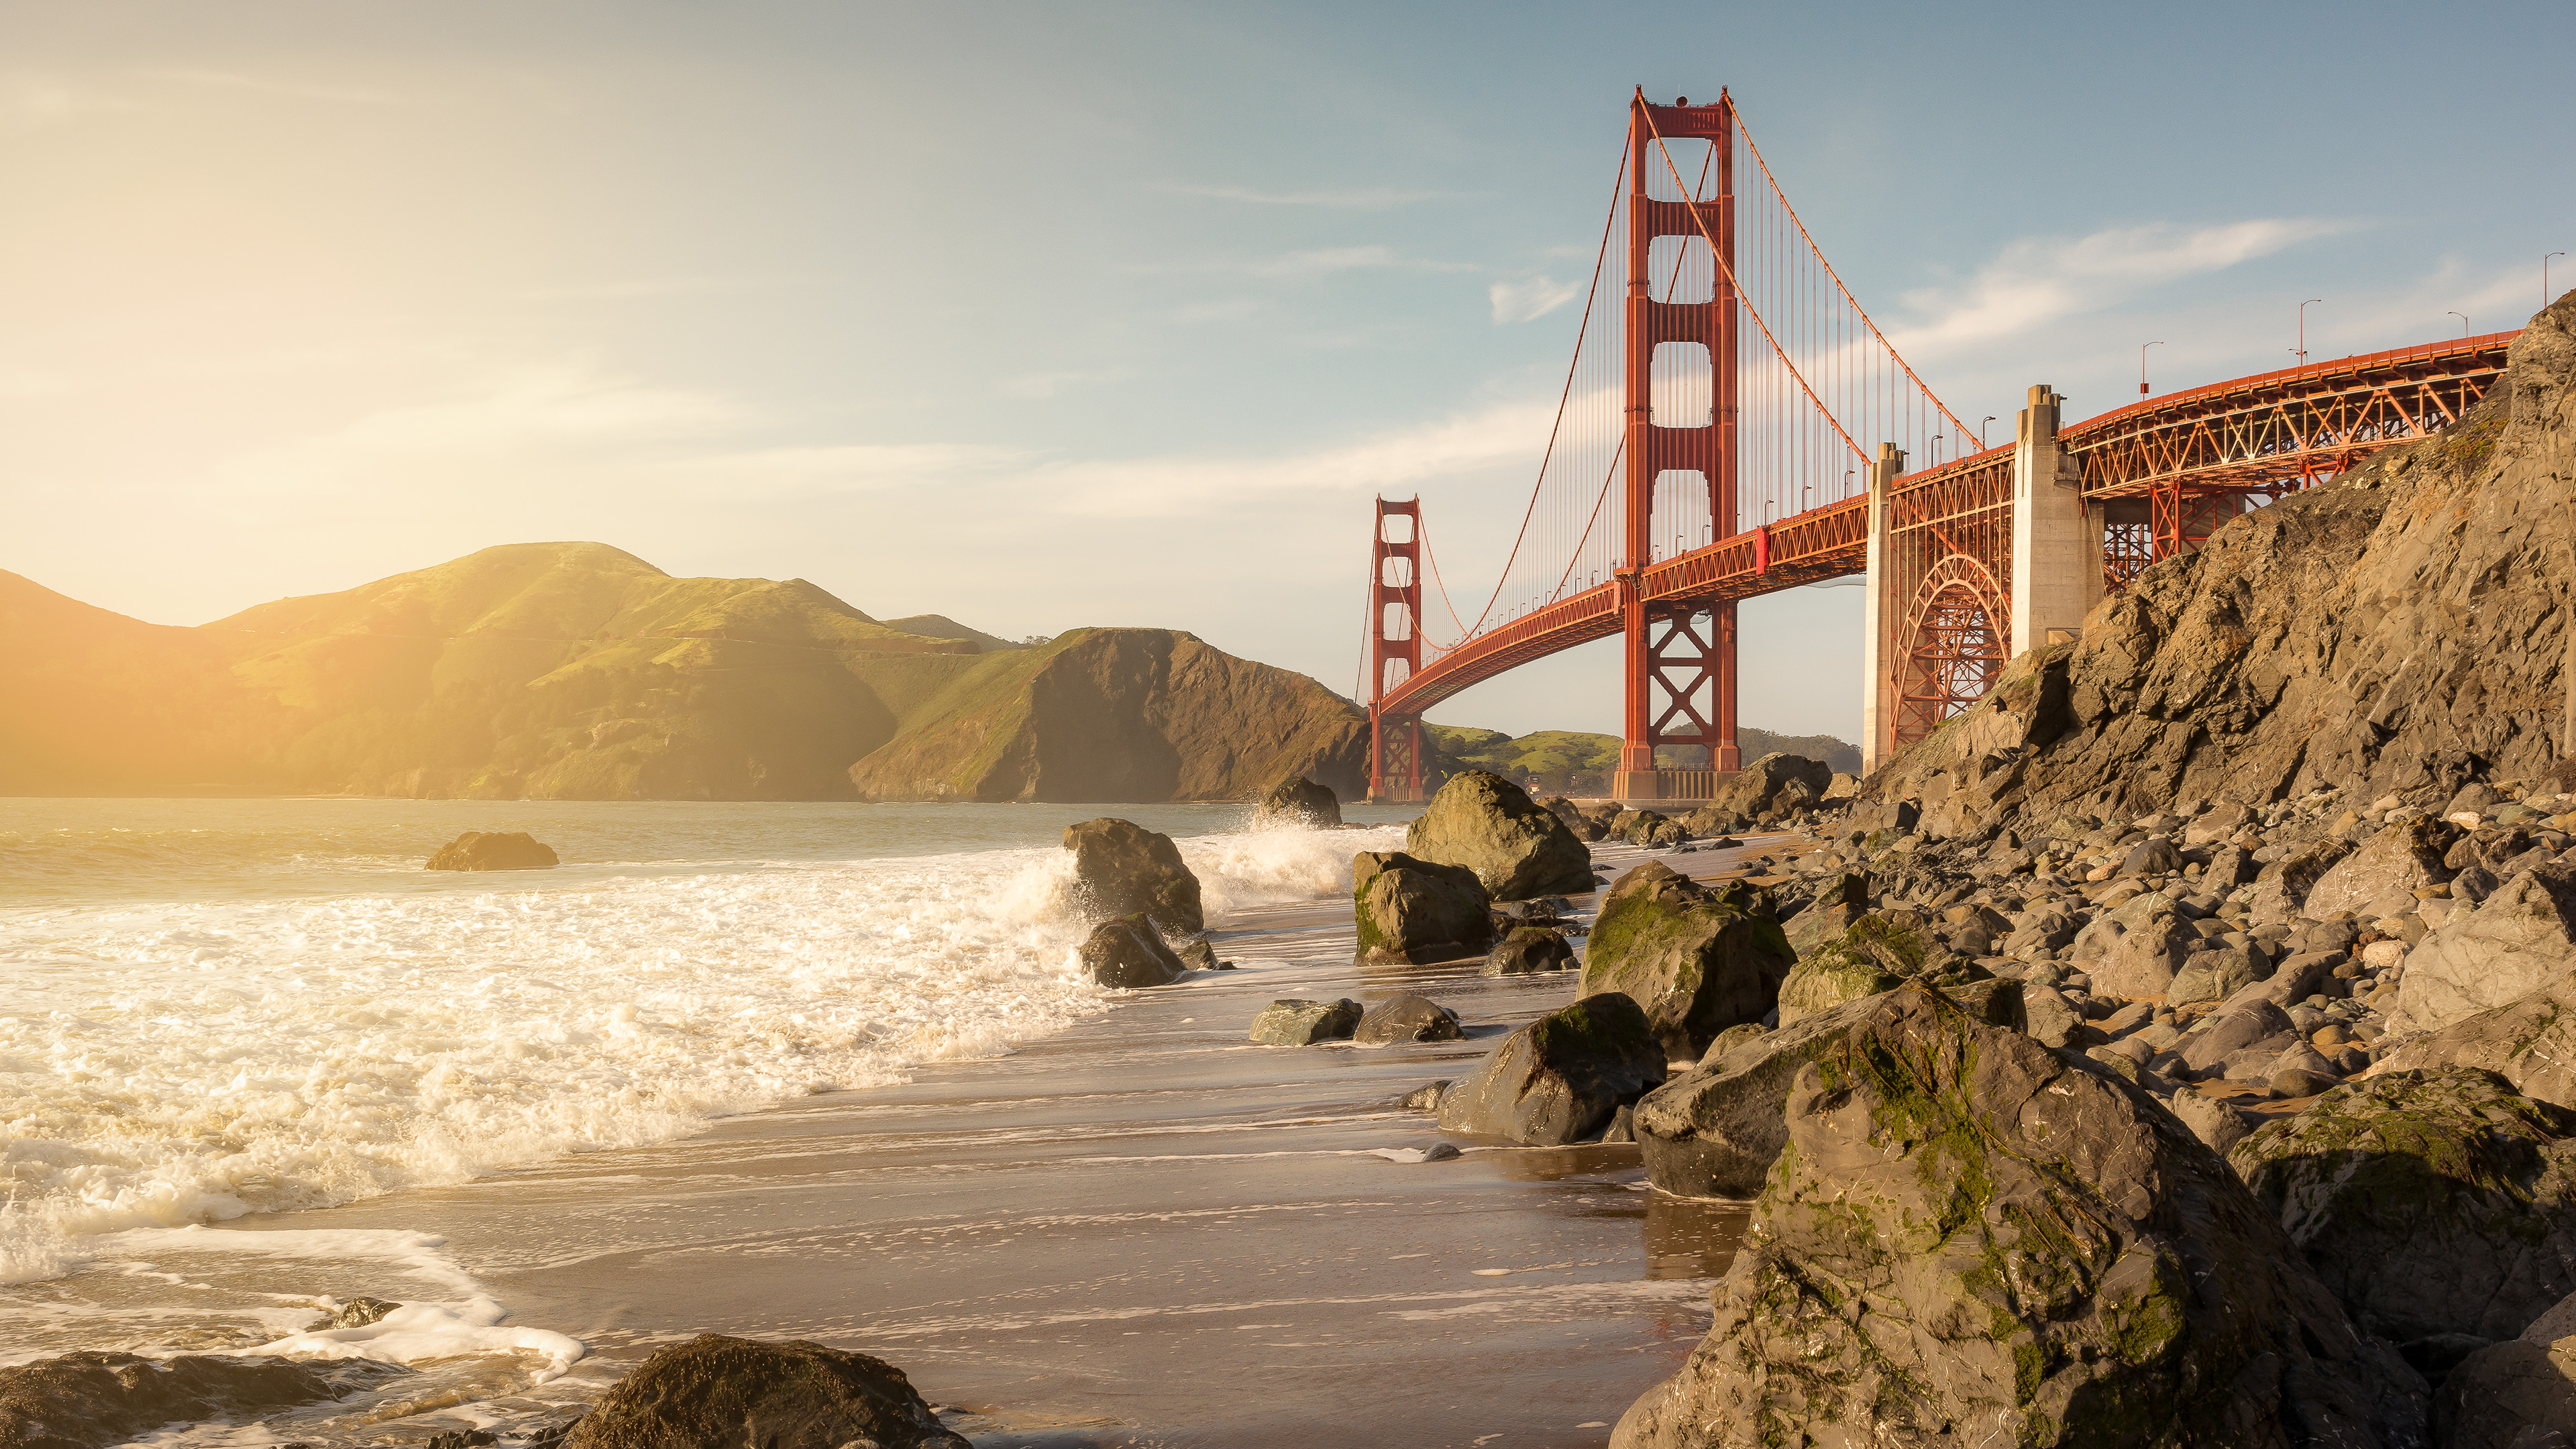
(1577, 763)
(578, 671)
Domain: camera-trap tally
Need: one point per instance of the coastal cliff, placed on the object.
(578, 671)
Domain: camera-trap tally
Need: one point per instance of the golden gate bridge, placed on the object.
(1732, 423)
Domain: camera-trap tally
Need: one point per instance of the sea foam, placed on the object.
(171, 1063)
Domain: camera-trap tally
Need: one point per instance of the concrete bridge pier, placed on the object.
(2056, 539)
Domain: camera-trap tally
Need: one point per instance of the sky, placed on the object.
(1042, 316)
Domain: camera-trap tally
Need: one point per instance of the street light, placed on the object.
(2142, 366)
(1981, 432)
(2464, 322)
(2302, 348)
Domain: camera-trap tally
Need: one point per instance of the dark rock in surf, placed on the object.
(1407, 1018)
(1529, 949)
(716, 1392)
(494, 850)
(1294, 802)
(87, 1399)
(1294, 1022)
(359, 1312)
(1409, 910)
(1128, 953)
(1120, 869)
(1560, 1079)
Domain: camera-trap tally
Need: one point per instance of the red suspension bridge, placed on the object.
(1733, 424)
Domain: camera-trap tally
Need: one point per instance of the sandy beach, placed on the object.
(1142, 1231)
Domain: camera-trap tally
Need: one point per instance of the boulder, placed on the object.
(1129, 953)
(1529, 949)
(2388, 867)
(1491, 826)
(1714, 1131)
(2522, 938)
(1297, 803)
(1755, 788)
(715, 1392)
(88, 1398)
(1841, 899)
(2216, 975)
(2249, 1025)
(2295, 980)
(2051, 1019)
(2142, 945)
(1561, 1078)
(2220, 1124)
(1651, 831)
(1966, 1229)
(1415, 910)
(1408, 1018)
(1872, 956)
(1121, 869)
(2431, 1202)
(1698, 960)
(2281, 891)
(2531, 1043)
(2154, 855)
(1294, 1022)
(494, 850)
(2518, 1394)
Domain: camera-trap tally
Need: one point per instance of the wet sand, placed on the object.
(1142, 1231)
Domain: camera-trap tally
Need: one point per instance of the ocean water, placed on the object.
(215, 1009)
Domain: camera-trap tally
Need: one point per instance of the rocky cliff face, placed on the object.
(1116, 714)
(2404, 627)
(577, 671)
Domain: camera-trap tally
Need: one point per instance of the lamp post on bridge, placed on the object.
(2142, 366)
(2302, 348)
(1981, 431)
(2464, 322)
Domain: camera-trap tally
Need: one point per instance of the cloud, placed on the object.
(565, 431)
(1371, 198)
(2040, 279)
(272, 86)
(1531, 298)
(1322, 261)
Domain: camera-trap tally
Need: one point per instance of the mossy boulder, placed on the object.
(1517, 848)
(1699, 960)
(716, 1392)
(1120, 868)
(1409, 910)
(1293, 1022)
(1560, 1079)
(1872, 955)
(2530, 1042)
(1970, 1238)
(1842, 899)
(2432, 1202)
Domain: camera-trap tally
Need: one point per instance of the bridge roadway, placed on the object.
(2269, 433)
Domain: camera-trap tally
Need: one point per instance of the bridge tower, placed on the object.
(1395, 650)
(1678, 661)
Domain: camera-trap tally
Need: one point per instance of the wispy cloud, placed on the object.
(1321, 261)
(1366, 198)
(1530, 298)
(2042, 279)
(279, 86)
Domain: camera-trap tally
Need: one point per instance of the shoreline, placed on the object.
(1092, 1240)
